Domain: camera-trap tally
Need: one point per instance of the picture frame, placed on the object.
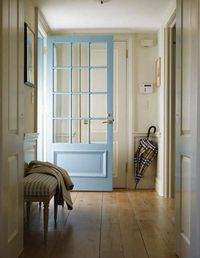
(158, 71)
(29, 49)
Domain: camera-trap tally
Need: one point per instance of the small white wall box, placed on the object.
(146, 43)
(146, 88)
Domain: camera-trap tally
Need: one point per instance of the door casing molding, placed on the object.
(169, 179)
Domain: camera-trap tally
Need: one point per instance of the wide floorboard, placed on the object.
(118, 224)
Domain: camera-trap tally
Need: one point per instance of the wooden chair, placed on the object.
(41, 188)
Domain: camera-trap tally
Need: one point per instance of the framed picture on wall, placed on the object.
(158, 72)
(28, 56)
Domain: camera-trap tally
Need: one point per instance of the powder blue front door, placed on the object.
(80, 108)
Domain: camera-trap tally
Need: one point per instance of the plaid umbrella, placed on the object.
(146, 152)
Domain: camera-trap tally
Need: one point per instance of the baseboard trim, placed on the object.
(159, 187)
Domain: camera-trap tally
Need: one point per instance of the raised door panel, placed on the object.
(185, 198)
(186, 70)
(90, 163)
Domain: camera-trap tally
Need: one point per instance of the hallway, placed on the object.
(119, 224)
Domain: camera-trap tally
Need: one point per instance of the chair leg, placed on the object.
(55, 209)
(46, 219)
(28, 208)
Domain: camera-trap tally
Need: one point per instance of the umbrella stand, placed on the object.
(145, 154)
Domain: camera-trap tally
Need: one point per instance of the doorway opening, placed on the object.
(170, 107)
(41, 92)
(120, 112)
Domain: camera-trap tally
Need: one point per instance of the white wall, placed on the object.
(146, 106)
(29, 92)
(30, 138)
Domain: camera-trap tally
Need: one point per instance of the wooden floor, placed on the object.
(120, 224)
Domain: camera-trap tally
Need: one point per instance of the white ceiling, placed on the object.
(129, 15)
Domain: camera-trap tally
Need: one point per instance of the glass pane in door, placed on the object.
(98, 79)
(80, 106)
(98, 54)
(61, 131)
(80, 92)
(76, 131)
(80, 54)
(62, 54)
(62, 80)
(61, 105)
(98, 105)
(98, 131)
(80, 131)
(80, 80)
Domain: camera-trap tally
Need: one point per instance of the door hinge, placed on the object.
(126, 53)
(126, 168)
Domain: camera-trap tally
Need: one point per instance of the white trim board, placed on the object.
(161, 171)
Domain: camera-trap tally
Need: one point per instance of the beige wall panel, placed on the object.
(115, 159)
(146, 106)
(28, 109)
(29, 14)
(29, 93)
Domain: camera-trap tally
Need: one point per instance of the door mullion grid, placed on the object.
(70, 103)
(89, 97)
(79, 96)
(52, 95)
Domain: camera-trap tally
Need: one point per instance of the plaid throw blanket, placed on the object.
(146, 152)
(63, 179)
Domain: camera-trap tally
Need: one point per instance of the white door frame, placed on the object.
(129, 106)
(169, 179)
(129, 39)
(43, 28)
(168, 156)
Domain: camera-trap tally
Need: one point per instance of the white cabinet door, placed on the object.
(187, 148)
(11, 127)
